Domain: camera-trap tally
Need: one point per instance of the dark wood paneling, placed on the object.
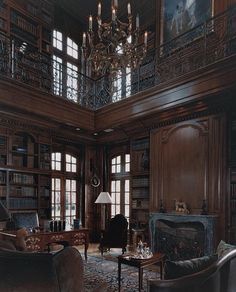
(188, 164)
(183, 165)
(32, 102)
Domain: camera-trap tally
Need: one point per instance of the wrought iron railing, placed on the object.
(206, 44)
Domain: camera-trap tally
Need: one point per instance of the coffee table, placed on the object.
(157, 258)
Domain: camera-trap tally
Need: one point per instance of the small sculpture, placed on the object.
(181, 207)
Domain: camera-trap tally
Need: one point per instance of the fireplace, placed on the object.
(182, 236)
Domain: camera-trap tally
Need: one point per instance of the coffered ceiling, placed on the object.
(80, 9)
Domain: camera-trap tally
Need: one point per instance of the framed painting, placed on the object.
(180, 16)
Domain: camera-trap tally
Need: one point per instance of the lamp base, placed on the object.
(3, 225)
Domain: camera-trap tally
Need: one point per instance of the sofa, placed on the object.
(220, 276)
(26, 271)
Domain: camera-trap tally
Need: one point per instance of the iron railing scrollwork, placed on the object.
(206, 44)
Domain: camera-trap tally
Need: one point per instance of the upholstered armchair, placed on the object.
(27, 271)
(218, 277)
(116, 234)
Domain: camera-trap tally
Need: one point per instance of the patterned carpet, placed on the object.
(101, 276)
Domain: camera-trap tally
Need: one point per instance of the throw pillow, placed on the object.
(223, 248)
(178, 269)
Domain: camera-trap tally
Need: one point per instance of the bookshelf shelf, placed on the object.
(140, 183)
(25, 176)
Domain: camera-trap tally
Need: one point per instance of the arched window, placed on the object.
(120, 185)
(65, 180)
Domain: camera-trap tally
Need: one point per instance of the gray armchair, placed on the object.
(219, 277)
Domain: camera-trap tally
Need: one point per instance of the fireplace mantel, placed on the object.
(208, 222)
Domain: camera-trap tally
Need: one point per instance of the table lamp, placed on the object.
(104, 198)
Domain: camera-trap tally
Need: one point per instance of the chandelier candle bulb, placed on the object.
(90, 23)
(99, 9)
(137, 21)
(145, 38)
(116, 3)
(113, 14)
(84, 39)
(129, 8)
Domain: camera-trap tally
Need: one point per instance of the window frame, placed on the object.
(64, 176)
(71, 92)
(122, 176)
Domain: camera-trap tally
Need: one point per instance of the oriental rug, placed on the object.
(101, 275)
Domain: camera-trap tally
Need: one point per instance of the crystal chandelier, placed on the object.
(115, 46)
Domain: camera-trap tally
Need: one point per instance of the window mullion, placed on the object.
(63, 195)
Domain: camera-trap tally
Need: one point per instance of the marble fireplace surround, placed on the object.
(208, 222)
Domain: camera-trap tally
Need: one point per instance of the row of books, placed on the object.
(24, 24)
(141, 182)
(24, 191)
(23, 203)
(19, 178)
(2, 177)
(3, 191)
(140, 193)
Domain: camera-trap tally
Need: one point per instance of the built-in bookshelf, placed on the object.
(3, 18)
(45, 156)
(44, 195)
(140, 182)
(3, 150)
(24, 153)
(3, 186)
(29, 22)
(25, 176)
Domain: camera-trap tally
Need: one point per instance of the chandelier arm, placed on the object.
(116, 45)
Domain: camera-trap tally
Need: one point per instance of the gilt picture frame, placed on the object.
(180, 16)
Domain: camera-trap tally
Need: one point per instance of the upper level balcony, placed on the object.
(203, 47)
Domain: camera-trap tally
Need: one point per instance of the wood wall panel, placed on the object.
(188, 163)
(183, 165)
(33, 102)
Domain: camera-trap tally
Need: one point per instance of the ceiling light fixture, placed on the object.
(116, 46)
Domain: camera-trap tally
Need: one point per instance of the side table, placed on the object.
(157, 258)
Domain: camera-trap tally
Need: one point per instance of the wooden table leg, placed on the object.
(85, 251)
(140, 278)
(119, 274)
(161, 269)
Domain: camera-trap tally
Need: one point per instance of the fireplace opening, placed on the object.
(180, 240)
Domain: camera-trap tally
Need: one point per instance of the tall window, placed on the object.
(57, 40)
(64, 188)
(65, 69)
(56, 198)
(122, 81)
(120, 185)
(72, 82)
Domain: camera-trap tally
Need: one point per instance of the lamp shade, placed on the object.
(103, 198)
(4, 214)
